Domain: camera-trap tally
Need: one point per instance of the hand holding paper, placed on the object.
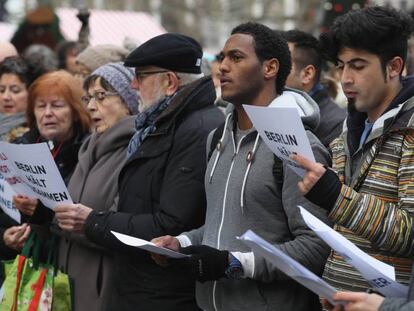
(14, 237)
(25, 205)
(148, 246)
(360, 301)
(314, 172)
(166, 241)
(288, 265)
(72, 217)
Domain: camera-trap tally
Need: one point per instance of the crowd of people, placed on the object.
(151, 146)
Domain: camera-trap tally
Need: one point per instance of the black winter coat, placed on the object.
(332, 118)
(161, 191)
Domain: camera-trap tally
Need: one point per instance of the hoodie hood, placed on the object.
(308, 109)
(398, 115)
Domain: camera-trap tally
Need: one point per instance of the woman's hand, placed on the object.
(72, 217)
(14, 237)
(25, 205)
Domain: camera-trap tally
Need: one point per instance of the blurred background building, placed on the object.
(209, 21)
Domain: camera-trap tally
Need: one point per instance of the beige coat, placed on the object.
(95, 184)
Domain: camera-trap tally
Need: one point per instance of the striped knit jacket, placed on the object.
(376, 202)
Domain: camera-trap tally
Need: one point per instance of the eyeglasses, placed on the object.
(141, 74)
(98, 96)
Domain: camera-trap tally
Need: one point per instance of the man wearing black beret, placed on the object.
(161, 186)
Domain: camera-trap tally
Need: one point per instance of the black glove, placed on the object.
(326, 190)
(207, 263)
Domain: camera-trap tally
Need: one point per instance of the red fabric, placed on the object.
(38, 288)
(20, 267)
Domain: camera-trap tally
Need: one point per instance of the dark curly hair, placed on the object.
(269, 44)
(18, 66)
(307, 50)
(382, 31)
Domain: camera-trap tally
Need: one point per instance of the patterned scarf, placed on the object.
(144, 124)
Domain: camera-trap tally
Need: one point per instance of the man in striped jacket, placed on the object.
(370, 191)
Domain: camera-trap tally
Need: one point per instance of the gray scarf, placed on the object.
(144, 124)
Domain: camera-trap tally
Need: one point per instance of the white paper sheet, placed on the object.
(282, 130)
(288, 265)
(380, 275)
(6, 200)
(146, 245)
(31, 170)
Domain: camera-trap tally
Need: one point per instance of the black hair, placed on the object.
(382, 31)
(18, 66)
(62, 49)
(267, 45)
(307, 50)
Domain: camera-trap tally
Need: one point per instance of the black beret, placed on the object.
(172, 51)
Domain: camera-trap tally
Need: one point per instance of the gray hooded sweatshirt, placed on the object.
(244, 195)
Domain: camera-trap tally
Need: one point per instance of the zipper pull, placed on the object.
(50, 144)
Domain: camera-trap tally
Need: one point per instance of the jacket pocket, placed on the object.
(239, 295)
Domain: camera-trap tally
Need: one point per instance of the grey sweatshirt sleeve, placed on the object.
(305, 246)
(396, 304)
(195, 236)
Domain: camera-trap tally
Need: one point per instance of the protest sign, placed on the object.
(288, 265)
(380, 275)
(282, 130)
(31, 170)
(6, 200)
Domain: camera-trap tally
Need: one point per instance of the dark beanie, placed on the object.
(172, 51)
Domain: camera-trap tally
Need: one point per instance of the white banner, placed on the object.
(6, 200)
(282, 130)
(31, 170)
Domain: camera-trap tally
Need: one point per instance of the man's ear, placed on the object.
(394, 67)
(172, 82)
(270, 68)
(307, 75)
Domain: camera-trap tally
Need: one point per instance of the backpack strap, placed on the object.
(214, 140)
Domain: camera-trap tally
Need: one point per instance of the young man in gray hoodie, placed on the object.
(247, 188)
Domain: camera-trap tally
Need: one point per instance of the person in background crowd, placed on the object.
(111, 103)
(67, 51)
(306, 75)
(368, 194)
(215, 75)
(15, 79)
(40, 59)
(161, 184)
(84, 31)
(55, 115)
(247, 188)
(96, 56)
(7, 50)
(39, 26)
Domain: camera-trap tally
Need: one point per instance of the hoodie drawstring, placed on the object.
(219, 148)
(249, 159)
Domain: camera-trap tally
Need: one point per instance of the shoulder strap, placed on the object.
(277, 171)
(215, 139)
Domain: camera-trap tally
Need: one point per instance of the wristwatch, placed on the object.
(235, 268)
